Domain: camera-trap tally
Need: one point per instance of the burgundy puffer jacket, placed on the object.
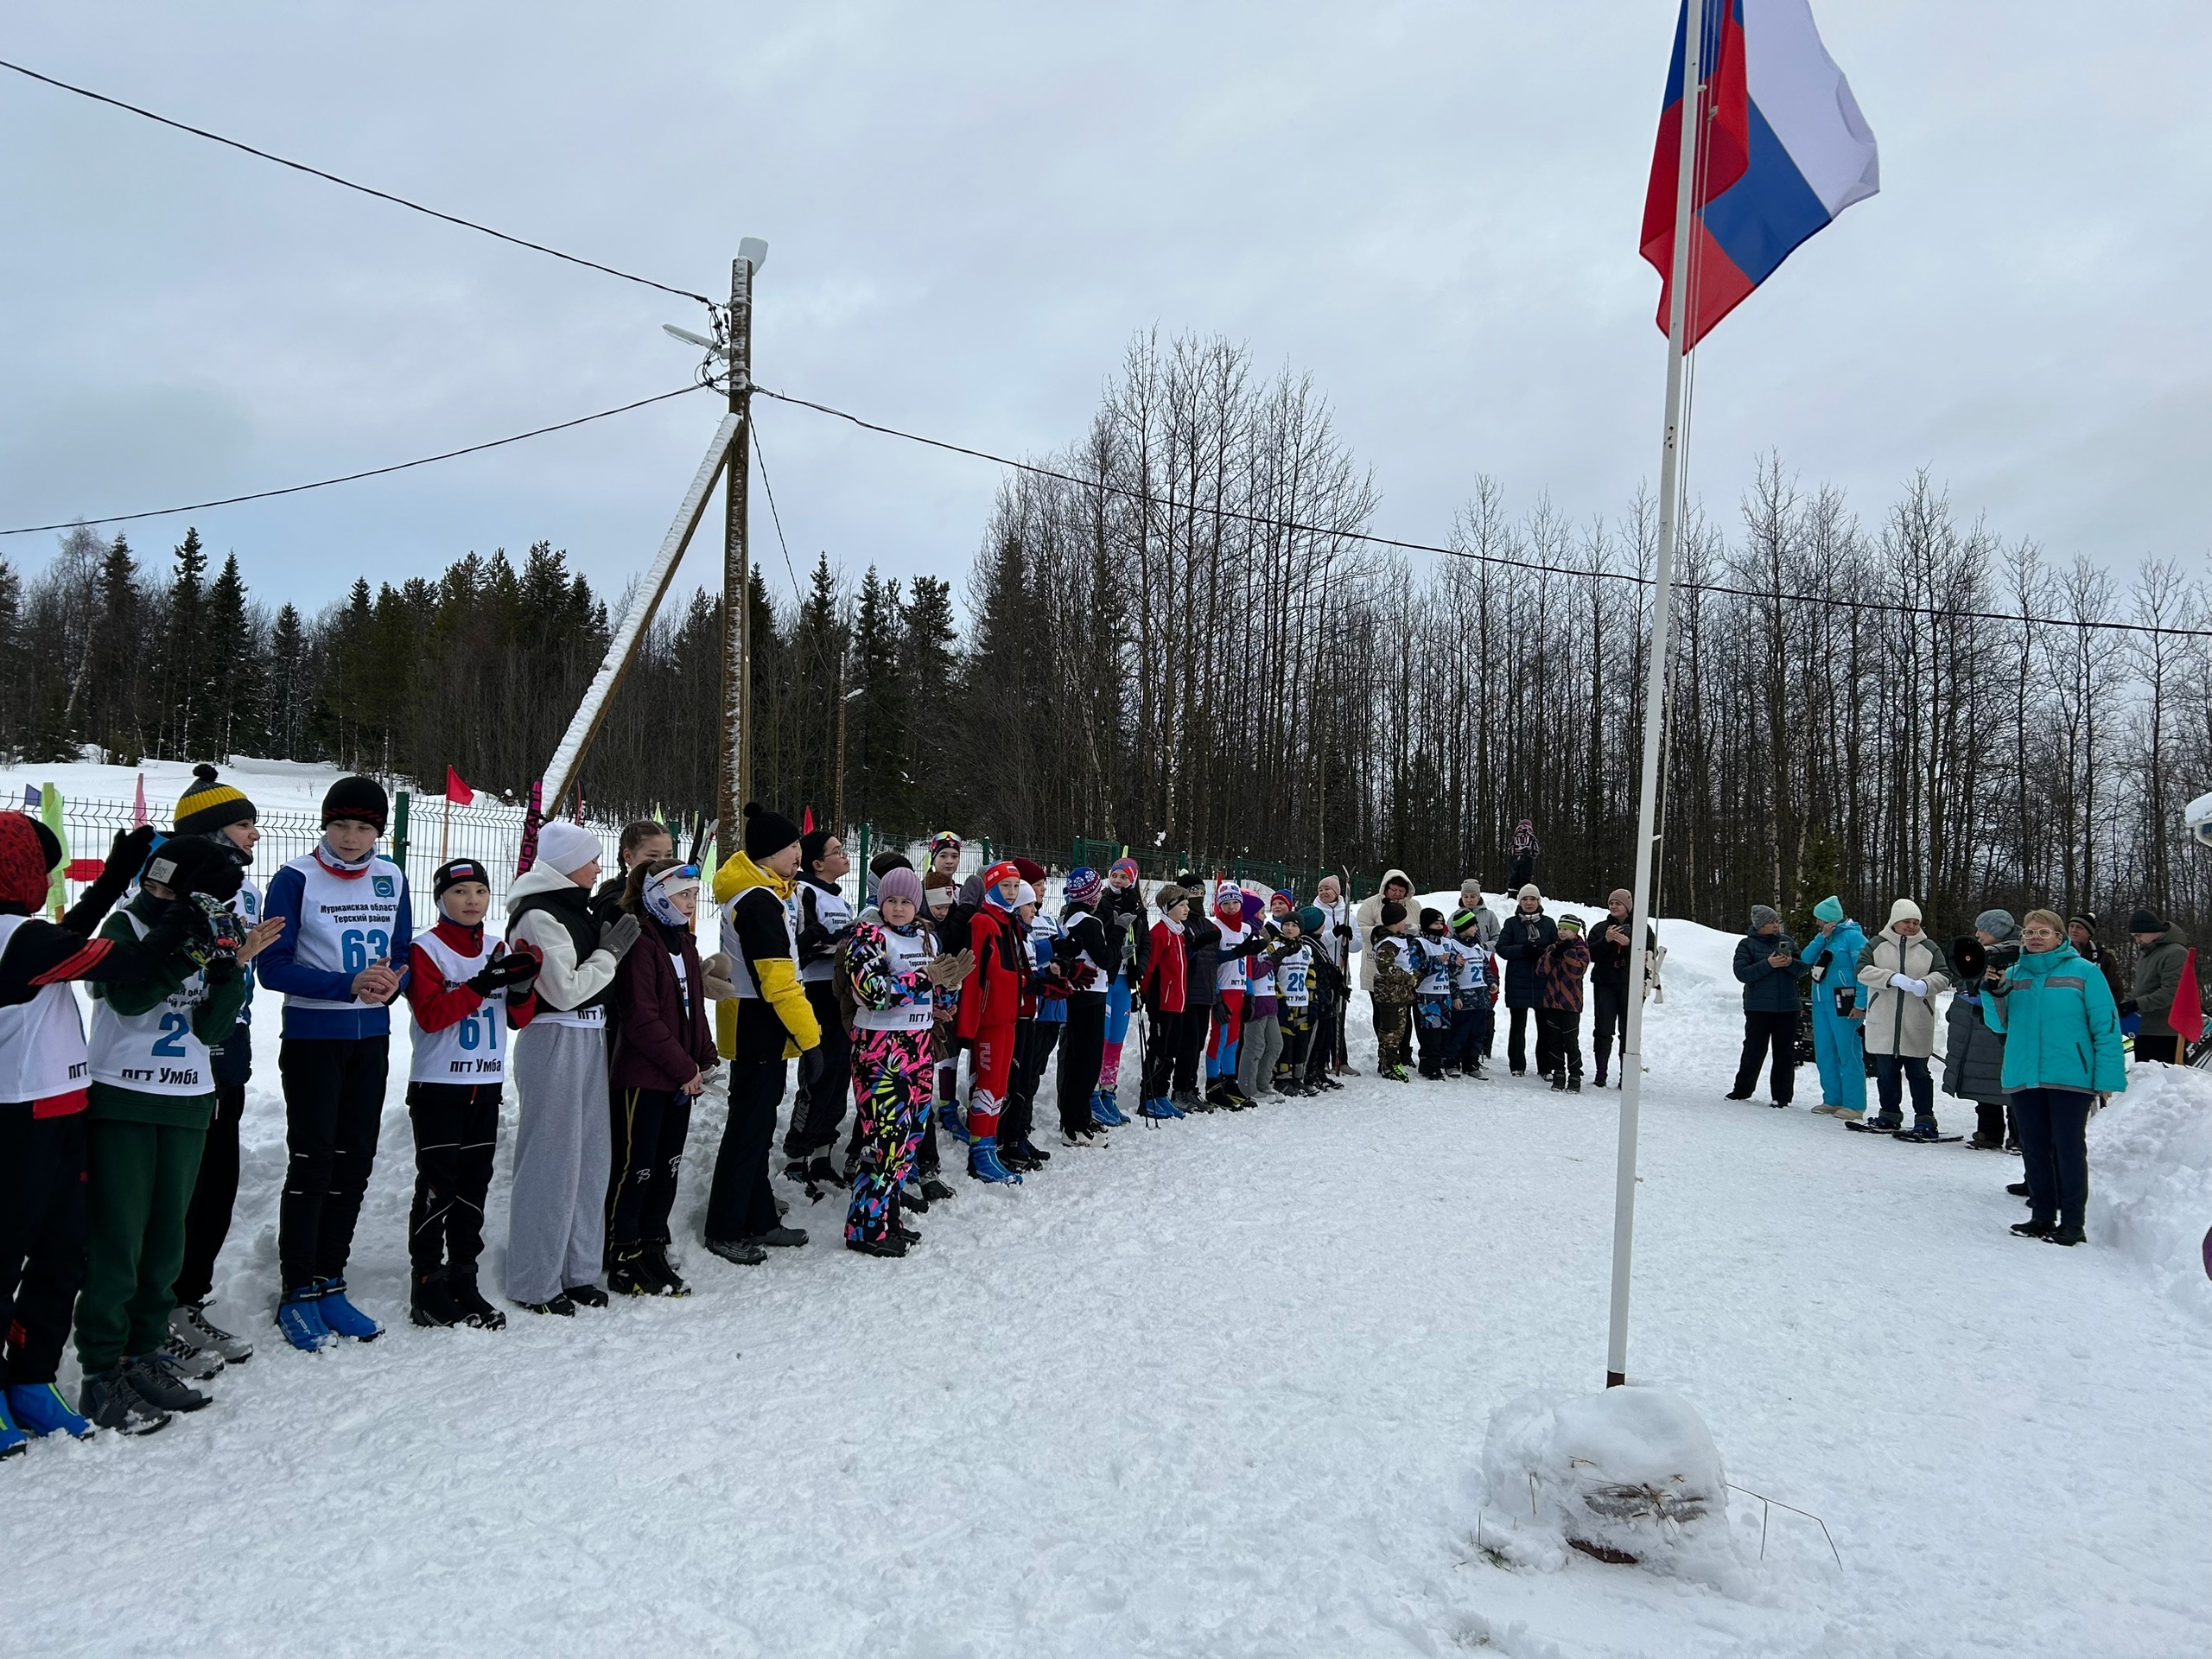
(663, 1035)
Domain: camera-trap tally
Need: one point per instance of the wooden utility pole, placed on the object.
(736, 782)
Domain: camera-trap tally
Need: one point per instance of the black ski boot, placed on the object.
(934, 1190)
(431, 1305)
(468, 1301)
(657, 1264)
(1559, 1082)
(108, 1400)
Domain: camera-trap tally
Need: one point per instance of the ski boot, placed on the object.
(948, 1117)
(1107, 1110)
(190, 1321)
(983, 1163)
(109, 1401)
(1394, 1074)
(1924, 1130)
(341, 1317)
(468, 1301)
(934, 1190)
(38, 1409)
(14, 1442)
(431, 1305)
(299, 1316)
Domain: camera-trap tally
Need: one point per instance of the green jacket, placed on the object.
(2061, 1027)
(211, 1022)
(2158, 976)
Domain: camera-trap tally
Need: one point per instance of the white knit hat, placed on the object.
(565, 847)
(1025, 894)
(1904, 911)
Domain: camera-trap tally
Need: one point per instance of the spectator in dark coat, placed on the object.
(1528, 934)
(1559, 970)
(1202, 948)
(2160, 951)
(1974, 1054)
(1768, 967)
(1610, 949)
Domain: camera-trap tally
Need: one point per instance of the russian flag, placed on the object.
(1785, 151)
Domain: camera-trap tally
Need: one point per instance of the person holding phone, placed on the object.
(1767, 966)
(346, 919)
(1839, 1010)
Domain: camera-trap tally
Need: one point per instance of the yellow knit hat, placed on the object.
(207, 805)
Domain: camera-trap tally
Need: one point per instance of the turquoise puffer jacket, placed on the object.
(2061, 1025)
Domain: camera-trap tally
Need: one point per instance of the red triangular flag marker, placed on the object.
(806, 822)
(2187, 1015)
(457, 792)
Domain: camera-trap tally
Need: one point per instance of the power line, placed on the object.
(799, 594)
(349, 478)
(1266, 521)
(367, 190)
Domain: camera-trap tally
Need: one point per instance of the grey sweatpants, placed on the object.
(1258, 1049)
(557, 1221)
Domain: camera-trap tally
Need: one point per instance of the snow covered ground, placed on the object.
(1220, 1389)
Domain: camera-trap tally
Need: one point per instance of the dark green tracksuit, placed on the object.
(142, 1157)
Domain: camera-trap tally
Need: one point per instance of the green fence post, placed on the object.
(399, 830)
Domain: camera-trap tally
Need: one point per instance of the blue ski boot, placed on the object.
(13, 1441)
(38, 1409)
(341, 1319)
(299, 1316)
(983, 1161)
(1107, 1110)
(947, 1114)
(1157, 1108)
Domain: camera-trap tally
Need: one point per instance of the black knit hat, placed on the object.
(767, 832)
(811, 845)
(359, 798)
(456, 871)
(1430, 917)
(2144, 921)
(187, 865)
(1392, 913)
(209, 805)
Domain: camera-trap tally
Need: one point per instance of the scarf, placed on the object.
(326, 856)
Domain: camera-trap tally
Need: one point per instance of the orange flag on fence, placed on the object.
(2187, 1015)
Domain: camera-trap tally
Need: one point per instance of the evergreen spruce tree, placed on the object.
(115, 697)
(14, 667)
(232, 721)
(877, 789)
(184, 678)
(287, 692)
(929, 676)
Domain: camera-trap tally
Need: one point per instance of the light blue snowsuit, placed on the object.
(1838, 1045)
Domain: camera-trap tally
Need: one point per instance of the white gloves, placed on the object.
(1918, 987)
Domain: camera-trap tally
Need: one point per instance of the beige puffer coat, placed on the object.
(1368, 914)
(1897, 1021)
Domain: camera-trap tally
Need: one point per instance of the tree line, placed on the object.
(1180, 640)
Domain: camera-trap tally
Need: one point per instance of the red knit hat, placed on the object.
(25, 868)
(1004, 870)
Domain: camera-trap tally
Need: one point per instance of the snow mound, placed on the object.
(1630, 1473)
(2151, 1178)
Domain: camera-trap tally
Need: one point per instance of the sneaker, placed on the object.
(196, 1364)
(475, 1311)
(560, 1305)
(160, 1386)
(1393, 1074)
(1186, 1098)
(38, 1409)
(744, 1253)
(299, 1316)
(108, 1400)
(1821, 1111)
(795, 1172)
(892, 1248)
(190, 1321)
(1732, 1094)
(2033, 1229)
(341, 1318)
(1347, 1071)
(781, 1238)
(585, 1295)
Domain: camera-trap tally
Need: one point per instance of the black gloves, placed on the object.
(620, 935)
(509, 968)
(114, 879)
(2128, 1007)
(193, 864)
(1344, 930)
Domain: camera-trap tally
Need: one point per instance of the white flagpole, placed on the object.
(1654, 694)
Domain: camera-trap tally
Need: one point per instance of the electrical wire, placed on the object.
(350, 478)
(776, 517)
(367, 190)
(1265, 521)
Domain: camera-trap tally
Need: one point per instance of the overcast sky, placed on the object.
(971, 209)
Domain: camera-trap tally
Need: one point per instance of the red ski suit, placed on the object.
(992, 988)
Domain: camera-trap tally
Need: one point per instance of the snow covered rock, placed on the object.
(1630, 1473)
(2151, 1178)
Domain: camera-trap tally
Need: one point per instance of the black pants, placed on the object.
(1163, 1055)
(456, 1129)
(1082, 1051)
(333, 1101)
(1321, 1046)
(214, 1193)
(1560, 1029)
(741, 1203)
(825, 1079)
(1191, 1044)
(1435, 1041)
(2165, 1050)
(1890, 1073)
(1609, 1007)
(1033, 1043)
(1989, 1122)
(42, 1237)
(650, 1128)
(1514, 1051)
(2052, 1125)
(1775, 1029)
